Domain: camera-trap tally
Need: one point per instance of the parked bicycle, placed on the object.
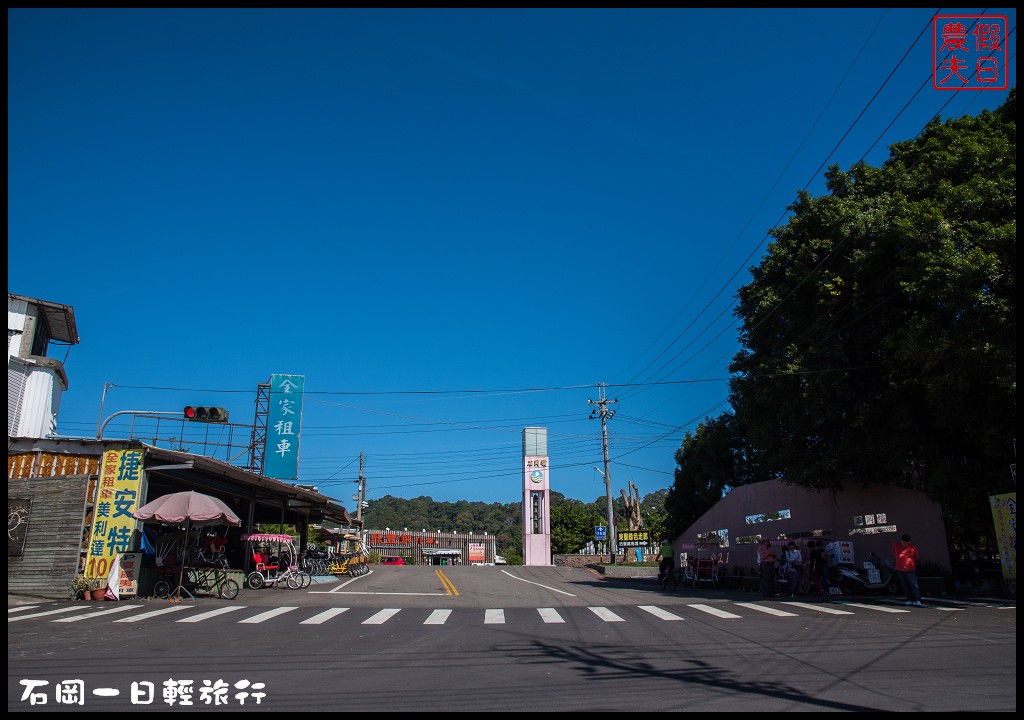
(196, 581)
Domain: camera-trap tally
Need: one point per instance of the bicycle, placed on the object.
(198, 580)
(671, 580)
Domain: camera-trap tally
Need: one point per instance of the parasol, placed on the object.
(187, 508)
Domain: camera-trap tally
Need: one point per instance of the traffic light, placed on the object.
(202, 413)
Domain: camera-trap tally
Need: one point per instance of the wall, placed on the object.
(831, 513)
(54, 537)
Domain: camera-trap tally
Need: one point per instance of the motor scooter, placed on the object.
(853, 579)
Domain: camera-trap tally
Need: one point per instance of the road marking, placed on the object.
(546, 587)
(100, 613)
(879, 608)
(323, 617)
(819, 608)
(264, 616)
(494, 617)
(20, 608)
(550, 615)
(438, 617)
(659, 613)
(151, 613)
(446, 583)
(766, 609)
(714, 611)
(379, 618)
(211, 613)
(605, 614)
(59, 611)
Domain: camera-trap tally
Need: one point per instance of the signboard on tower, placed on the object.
(284, 425)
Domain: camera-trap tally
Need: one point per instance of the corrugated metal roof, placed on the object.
(60, 319)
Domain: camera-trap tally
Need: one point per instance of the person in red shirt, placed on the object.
(906, 556)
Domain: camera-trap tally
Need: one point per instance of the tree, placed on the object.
(879, 330)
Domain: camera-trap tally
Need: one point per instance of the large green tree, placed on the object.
(879, 330)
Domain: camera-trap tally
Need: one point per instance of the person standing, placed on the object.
(793, 567)
(766, 560)
(906, 555)
(665, 558)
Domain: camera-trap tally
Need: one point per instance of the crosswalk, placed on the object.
(243, 615)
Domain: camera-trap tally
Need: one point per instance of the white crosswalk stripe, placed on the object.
(766, 609)
(819, 608)
(211, 614)
(21, 608)
(879, 608)
(151, 614)
(550, 615)
(606, 614)
(264, 616)
(494, 617)
(712, 610)
(58, 611)
(381, 617)
(323, 617)
(438, 617)
(659, 613)
(99, 613)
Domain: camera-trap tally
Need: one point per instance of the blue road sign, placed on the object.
(600, 532)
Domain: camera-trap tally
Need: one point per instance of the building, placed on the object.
(873, 518)
(432, 548)
(35, 382)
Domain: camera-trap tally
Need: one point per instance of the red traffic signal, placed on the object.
(204, 413)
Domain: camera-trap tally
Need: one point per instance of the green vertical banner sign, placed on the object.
(1004, 516)
(284, 425)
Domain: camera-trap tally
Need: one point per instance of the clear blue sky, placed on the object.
(453, 223)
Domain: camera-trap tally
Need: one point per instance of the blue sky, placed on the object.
(453, 223)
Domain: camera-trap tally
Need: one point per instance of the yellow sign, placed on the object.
(1004, 514)
(117, 497)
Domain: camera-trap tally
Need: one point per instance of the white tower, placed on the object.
(536, 498)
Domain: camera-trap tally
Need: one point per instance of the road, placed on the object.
(420, 638)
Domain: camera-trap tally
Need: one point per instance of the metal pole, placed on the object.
(612, 540)
(99, 420)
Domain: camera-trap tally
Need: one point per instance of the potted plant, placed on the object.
(81, 587)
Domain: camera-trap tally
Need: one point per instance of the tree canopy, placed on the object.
(879, 334)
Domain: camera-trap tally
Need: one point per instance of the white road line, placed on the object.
(819, 608)
(766, 609)
(264, 616)
(605, 614)
(438, 617)
(714, 611)
(494, 617)
(550, 615)
(59, 611)
(21, 608)
(99, 613)
(323, 617)
(211, 613)
(659, 612)
(546, 587)
(879, 608)
(152, 613)
(379, 618)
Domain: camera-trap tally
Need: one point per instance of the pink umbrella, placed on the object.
(187, 508)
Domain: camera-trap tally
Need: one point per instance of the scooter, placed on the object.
(852, 579)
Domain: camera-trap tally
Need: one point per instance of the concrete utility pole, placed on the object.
(362, 491)
(605, 414)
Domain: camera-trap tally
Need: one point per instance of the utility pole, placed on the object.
(605, 414)
(362, 492)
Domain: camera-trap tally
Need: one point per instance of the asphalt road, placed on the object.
(497, 639)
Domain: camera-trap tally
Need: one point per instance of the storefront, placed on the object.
(61, 487)
(423, 547)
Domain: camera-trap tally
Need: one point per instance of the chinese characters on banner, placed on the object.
(121, 476)
(969, 52)
(284, 422)
(1004, 515)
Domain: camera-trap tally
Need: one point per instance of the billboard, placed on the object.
(284, 426)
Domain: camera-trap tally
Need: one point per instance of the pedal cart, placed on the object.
(275, 562)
